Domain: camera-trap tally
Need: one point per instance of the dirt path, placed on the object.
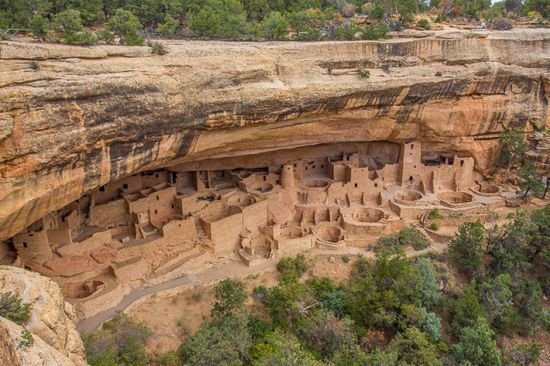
(220, 271)
(90, 324)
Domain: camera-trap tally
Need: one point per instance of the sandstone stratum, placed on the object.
(55, 339)
(73, 119)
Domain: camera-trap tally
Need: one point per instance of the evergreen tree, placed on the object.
(126, 26)
(275, 26)
(530, 181)
(230, 297)
(466, 248)
(476, 346)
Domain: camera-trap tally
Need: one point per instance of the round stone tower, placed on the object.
(287, 177)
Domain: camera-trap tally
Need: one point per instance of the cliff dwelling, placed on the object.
(150, 224)
(141, 179)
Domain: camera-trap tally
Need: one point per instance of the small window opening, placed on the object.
(102, 189)
(125, 186)
(461, 162)
(25, 244)
(355, 185)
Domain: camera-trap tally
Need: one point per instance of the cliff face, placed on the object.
(74, 118)
(56, 341)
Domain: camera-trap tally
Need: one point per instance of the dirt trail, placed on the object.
(90, 324)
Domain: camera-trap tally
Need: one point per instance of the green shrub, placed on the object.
(376, 13)
(530, 180)
(306, 23)
(524, 354)
(413, 347)
(275, 26)
(218, 19)
(365, 74)
(346, 259)
(230, 297)
(39, 26)
(435, 214)
(373, 32)
(291, 269)
(170, 27)
(347, 31)
(68, 25)
(258, 327)
(26, 340)
(434, 225)
(120, 342)
(476, 346)
(312, 34)
(388, 243)
(13, 308)
(280, 348)
(158, 48)
(409, 236)
(429, 284)
(105, 35)
(466, 248)
(424, 24)
(84, 38)
(512, 148)
(223, 342)
(126, 25)
(170, 358)
(5, 33)
(68, 22)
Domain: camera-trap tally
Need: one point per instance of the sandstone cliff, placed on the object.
(56, 341)
(74, 118)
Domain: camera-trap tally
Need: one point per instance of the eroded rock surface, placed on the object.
(74, 118)
(56, 340)
(39, 354)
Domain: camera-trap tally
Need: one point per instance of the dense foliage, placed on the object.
(121, 342)
(244, 19)
(406, 237)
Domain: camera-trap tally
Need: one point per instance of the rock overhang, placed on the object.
(90, 115)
